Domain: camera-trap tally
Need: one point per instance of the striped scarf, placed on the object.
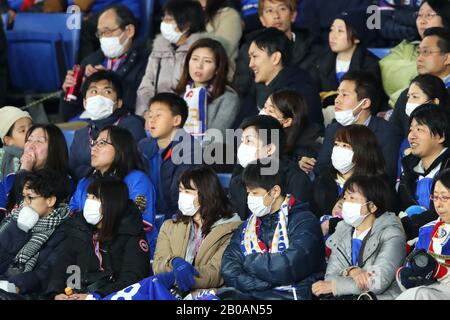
(40, 233)
(250, 242)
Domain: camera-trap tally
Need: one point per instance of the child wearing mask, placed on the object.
(14, 124)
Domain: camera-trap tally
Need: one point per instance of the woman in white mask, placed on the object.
(424, 88)
(183, 24)
(367, 247)
(190, 246)
(106, 241)
(355, 152)
(102, 99)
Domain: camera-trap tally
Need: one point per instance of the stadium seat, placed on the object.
(380, 52)
(68, 135)
(225, 179)
(159, 220)
(147, 8)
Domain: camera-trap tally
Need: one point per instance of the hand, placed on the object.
(61, 296)
(78, 296)
(307, 164)
(69, 81)
(167, 279)
(184, 274)
(325, 227)
(11, 16)
(90, 69)
(361, 277)
(322, 287)
(28, 161)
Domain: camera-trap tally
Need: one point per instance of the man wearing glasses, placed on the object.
(120, 52)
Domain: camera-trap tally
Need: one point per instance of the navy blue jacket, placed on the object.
(12, 239)
(186, 147)
(388, 137)
(301, 264)
(80, 150)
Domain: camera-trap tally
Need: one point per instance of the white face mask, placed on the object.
(342, 159)
(111, 47)
(351, 213)
(256, 205)
(246, 154)
(410, 107)
(91, 211)
(186, 204)
(169, 33)
(346, 117)
(98, 107)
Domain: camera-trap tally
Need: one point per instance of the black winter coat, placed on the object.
(124, 261)
(301, 264)
(130, 71)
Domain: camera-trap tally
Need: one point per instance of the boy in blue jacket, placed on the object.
(170, 150)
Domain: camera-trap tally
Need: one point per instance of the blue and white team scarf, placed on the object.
(197, 100)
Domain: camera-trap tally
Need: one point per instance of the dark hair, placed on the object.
(375, 190)
(444, 37)
(57, 152)
(219, 81)
(433, 87)
(272, 40)
(252, 176)
(124, 16)
(272, 126)
(436, 118)
(367, 86)
(442, 8)
(444, 177)
(367, 155)
(188, 14)
(291, 4)
(114, 81)
(127, 156)
(113, 195)
(292, 105)
(175, 103)
(212, 7)
(48, 183)
(214, 203)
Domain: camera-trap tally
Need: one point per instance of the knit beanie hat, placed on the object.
(442, 8)
(8, 116)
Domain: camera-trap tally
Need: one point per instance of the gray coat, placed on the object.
(384, 250)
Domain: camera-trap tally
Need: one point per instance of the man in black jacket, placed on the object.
(120, 52)
(263, 139)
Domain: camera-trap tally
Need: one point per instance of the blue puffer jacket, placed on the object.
(80, 150)
(183, 145)
(139, 185)
(12, 239)
(302, 264)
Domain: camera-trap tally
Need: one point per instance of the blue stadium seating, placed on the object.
(68, 135)
(380, 52)
(225, 179)
(147, 8)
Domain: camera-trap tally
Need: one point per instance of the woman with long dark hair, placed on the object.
(107, 243)
(190, 247)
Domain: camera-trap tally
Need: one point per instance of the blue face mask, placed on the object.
(423, 191)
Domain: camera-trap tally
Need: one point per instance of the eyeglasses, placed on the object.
(426, 52)
(106, 33)
(442, 198)
(100, 143)
(427, 16)
(29, 199)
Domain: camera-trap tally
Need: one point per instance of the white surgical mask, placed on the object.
(351, 213)
(98, 107)
(246, 154)
(342, 159)
(169, 33)
(186, 204)
(91, 211)
(111, 46)
(410, 107)
(256, 205)
(346, 117)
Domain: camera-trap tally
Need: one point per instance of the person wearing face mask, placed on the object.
(183, 24)
(368, 245)
(359, 99)
(267, 255)
(355, 152)
(263, 139)
(32, 235)
(103, 103)
(190, 246)
(106, 241)
(120, 52)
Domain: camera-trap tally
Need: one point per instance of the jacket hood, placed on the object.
(234, 218)
(411, 161)
(162, 44)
